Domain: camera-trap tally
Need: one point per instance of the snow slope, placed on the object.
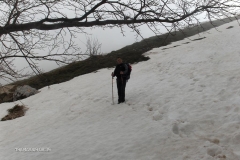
(182, 104)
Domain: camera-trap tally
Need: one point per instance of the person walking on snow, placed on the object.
(120, 72)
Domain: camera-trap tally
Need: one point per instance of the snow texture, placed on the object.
(182, 104)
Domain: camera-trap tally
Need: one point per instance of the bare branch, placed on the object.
(37, 30)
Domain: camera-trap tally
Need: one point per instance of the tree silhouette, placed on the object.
(27, 26)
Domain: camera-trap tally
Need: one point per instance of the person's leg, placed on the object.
(119, 87)
(123, 89)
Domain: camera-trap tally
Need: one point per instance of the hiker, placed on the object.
(120, 72)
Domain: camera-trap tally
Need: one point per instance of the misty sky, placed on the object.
(110, 38)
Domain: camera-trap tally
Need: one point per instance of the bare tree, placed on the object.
(28, 27)
(93, 47)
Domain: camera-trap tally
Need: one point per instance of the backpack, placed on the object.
(129, 71)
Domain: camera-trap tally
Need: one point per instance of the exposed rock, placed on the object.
(23, 92)
(6, 93)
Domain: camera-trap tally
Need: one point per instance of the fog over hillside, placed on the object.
(182, 104)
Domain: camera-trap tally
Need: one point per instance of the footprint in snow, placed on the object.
(157, 116)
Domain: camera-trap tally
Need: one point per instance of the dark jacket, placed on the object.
(120, 67)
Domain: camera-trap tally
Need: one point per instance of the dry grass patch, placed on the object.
(15, 112)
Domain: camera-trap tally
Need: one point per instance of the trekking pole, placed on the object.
(112, 92)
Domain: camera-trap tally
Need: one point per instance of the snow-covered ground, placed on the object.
(182, 104)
